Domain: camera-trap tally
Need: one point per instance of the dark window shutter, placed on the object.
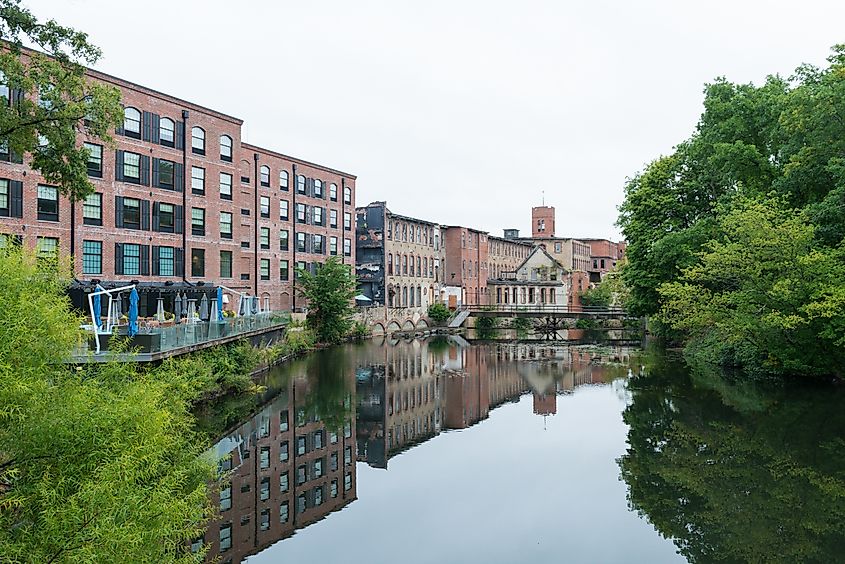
(155, 216)
(155, 260)
(145, 170)
(180, 135)
(147, 121)
(118, 165)
(155, 173)
(179, 259)
(145, 260)
(156, 128)
(145, 215)
(118, 213)
(16, 198)
(178, 177)
(118, 258)
(178, 219)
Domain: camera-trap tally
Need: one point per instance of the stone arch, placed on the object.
(378, 329)
(393, 326)
(408, 325)
(284, 301)
(422, 324)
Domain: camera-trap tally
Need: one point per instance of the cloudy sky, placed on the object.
(460, 112)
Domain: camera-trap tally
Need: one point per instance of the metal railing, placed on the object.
(545, 308)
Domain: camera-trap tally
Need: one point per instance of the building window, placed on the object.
(347, 195)
(333, 246)
(166, 131)
(166, 217)
(197, 262)
(4, 197)
(284, 453)
(198, 140)
(197, 221)
(265, 269)
(300, 475)
(225, 225)
(347, 247)
(333, 218)
(131, 259)
(333, 462)
(264, 459)
(265, 206)
(265, 516)
(333, 192)
(92, 209)
(165, 173)
(225, 264)
(226, 497)
(225, 148)
(283, 240)
(166, 262)
(318, 215)
(318, 245)
(347, 482)
(284, 178)
(92, 257)
(284, 210)
(48, 203)
(347, 221)
(132, 122)
(225, 186)
(301, 503)
(131, 213)
(347, 455)
(300, 242)
(95, 160)
(265, 175)
(132, 167)
(197, 180)
(284, 512)
(390, 264)
(300, 213)
(284, 421)
(300, 445)
(284, 273)
(265, 238)
(300, 184)
(318, 188)
(333, 488)
(225, 537)
(318, 496)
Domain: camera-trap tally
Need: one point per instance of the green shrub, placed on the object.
(438, 313)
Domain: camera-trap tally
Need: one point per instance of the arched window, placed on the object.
(390, 264)
(333, 192)
(300, 184)
(404, 264)
(404, 296)
(198, 140)
(265, 175)
(132, 122)
(419, 266)
(411, 298)
(167, 131)
(347, 195)
(283, 179)
(225, 148)
(425, 266)
(412, 265)
(419, 296)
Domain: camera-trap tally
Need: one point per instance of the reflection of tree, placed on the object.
(329, 397)
(737, 472)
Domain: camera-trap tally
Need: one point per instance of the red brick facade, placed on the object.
(466, 263)
(206, 177)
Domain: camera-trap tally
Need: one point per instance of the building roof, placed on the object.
(536, 250)
(296, 159)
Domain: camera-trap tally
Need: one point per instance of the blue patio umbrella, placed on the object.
(219, 303)
(133, 313)
(98, 323)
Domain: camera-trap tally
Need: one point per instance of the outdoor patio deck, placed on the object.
(151, 344)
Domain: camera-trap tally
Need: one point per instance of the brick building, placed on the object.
(465, 271)
(604, 256)
(181, 203)
(505, 254)
(285, 471)
(543, 221)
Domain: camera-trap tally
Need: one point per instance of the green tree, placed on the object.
(52, 101)
(330, 294)
(438, 313)
(98, 463)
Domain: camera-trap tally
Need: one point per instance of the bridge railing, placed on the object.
(545, 309)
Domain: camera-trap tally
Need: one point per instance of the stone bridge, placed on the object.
(386, 320)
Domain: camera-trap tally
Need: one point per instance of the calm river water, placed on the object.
(445, 451)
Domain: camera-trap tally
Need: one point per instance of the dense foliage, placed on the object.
(439, 313)
(97, 463)
(51, 99)
(731, 470)
(736, 238)
(330, 294)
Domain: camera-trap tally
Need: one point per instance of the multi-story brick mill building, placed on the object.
(181, 203)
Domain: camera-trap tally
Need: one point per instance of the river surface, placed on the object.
(444, 451)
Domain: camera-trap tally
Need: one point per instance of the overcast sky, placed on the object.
(460, 112)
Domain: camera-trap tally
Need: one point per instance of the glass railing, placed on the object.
(152, 338)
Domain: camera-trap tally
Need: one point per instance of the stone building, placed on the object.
(505, 254)
(539, 280)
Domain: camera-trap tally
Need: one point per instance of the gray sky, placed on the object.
(460, 112)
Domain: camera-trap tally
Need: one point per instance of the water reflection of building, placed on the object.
(286, 471)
